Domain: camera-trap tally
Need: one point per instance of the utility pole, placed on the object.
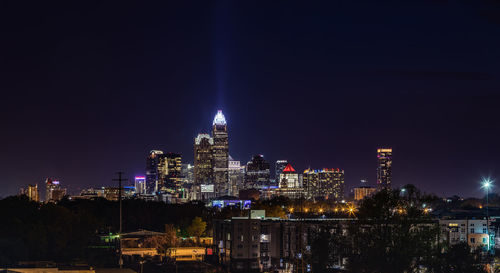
(120, 180)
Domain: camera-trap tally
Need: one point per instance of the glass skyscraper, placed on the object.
(384, 169)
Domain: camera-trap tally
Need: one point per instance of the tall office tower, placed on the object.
(324, 184)
(31, 192)
(384, 172)
(152, 175)
(220, 154)
(236, 176)
(140, 184)
(169, 171)
(280, 165)
(187, 173)
(289, 178)
(203, 160)
(257, 173)
(53, 190)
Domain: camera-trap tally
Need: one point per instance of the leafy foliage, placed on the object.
(197, 227)
(64, 231)
(393, 233)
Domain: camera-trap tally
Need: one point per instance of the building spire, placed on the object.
(219, 119)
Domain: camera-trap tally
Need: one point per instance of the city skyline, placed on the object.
(91, 90)
(219, 117)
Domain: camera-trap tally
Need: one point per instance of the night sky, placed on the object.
(88, 89)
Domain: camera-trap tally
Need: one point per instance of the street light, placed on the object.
(487, 183)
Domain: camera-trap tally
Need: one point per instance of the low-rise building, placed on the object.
(474, 232)
(259, 243)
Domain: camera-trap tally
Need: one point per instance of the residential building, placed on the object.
(259, 243)
(474, 232)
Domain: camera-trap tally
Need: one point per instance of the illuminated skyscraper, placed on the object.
(289, 178)
(169, 171)
(31, 192)
(220, 151)
(384, 169)
(187, 173)
(53, 190)
(280, 165)
(236, 176)
(152, 174)
(257, 173)
(324, 183)
(140, 184)
(203, 160)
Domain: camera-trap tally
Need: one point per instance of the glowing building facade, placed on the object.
(169, 170)
(203, 159)
(31, 192)
(384, 169)
(257, 173)
(324, 184)
(187, 173)
(280, 165)
(140, 184)
(289, 178)
(290, 183)
(236, 176)
(53, 190)
(361, 192)
(220, 154)
(152, 174)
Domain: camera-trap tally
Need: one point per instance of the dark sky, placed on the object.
(88, 89)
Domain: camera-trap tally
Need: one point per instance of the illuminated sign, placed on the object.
(207, 188)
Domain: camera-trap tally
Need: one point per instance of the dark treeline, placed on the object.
(393, 232)
(63, 232)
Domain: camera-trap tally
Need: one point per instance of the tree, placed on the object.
(392, 234)
(458, 258)
(160, 242)
(197, 227)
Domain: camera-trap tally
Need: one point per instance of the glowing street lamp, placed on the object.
(487, 183)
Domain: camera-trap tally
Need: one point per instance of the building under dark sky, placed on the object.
(89, 89)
